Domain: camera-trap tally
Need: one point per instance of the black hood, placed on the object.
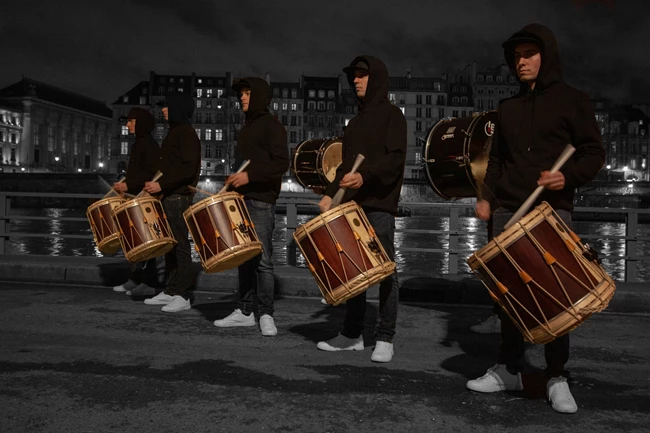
(377, 91)
(181, 107)
(260, 95)
(144, 121)
(550, 71)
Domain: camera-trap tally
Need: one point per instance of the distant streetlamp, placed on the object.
(609, 167)
(22, 168)
(56, 163)
(79, 170)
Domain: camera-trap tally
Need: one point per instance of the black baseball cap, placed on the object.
(360, 65)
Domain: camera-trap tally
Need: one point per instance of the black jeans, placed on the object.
(151, 272)
(178, 260)
(256, 276)
(384, 225)
(512, 348)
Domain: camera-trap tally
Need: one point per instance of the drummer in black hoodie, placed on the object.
(263, 141)
(532, 129)
(378, 132)
(180, 164)
(143, 165)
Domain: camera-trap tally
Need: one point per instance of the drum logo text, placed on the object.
(449, 133)
(489, 128)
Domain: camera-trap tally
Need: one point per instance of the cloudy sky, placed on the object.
(102, 48)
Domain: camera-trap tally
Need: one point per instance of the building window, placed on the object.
(403, 110)
(311, 105)
(293, 136)
(499, 79)
(463, 100)
(480, 105)
(330, 121)
(124, 148)
(331, 106)
(441, 113)
(208, 93)
(321, 121)
(488, 78)
(218, 134)
(479, 78)
(199, 93)
(276, 92)
(50, 138)
(454, 113)
(418, 112)
(198, 103)
(208, 134)
(418, 126)
(125, 130)
(275, 106)
(125, 99)
(511, 79)
(198, 132)
(418, 99)
(312, 93)
(294, 107)
(455, 100)
(208, 151)
(321, 93)
(428, 113)
(64, 141)
(293, 120)
(285, 106)
(480, 91)
(330, 94)
(437, 87)
(285, 93)
(428, 99)
(490, 104)
(391, 97)
(321, 105)
(208, 104)
(294, 93)
(37, 135)
(160, 131)
(440, 100)
(219, 93)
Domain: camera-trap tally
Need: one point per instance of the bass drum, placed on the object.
(456, 153)
(315, 162)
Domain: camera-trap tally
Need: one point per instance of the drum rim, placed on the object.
(323, 219)
(105, 201)
(201, 204)
(135, 202)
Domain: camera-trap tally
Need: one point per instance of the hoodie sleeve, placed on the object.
(187, 165)
(589, 156)
(143, 165)
(493, 172)
(389, 167)
(278, 164)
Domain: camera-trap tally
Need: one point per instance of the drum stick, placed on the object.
(157, 176)
(243, 166)
(111, 188)
(563, 158)
(195, 189)
(341, 192)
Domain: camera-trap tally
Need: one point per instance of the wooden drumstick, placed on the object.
(243, 166)
(157, 176)
(523, 209)
(112, 190)
(341, 192)
(195, 189)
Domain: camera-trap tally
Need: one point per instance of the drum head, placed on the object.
(332, 158)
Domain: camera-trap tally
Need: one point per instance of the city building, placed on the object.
(61, 130)
(11, 130)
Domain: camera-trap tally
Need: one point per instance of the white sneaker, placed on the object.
(236, 318)
(383, 352)
(340, 342)
(496, 379)
(491, 325)
(267, 325)
(161, 298)
(558, 393)
(177, 304)
(130, 284)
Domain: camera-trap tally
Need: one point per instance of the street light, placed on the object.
(101, 165)
(79, 170)
(609, 167)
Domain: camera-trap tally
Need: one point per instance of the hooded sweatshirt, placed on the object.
(263, 141)
(533, 128)
(180, 153)
(145, 151)
(378, 132)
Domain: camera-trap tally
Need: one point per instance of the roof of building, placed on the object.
(31, 88)
(133, 94)
(11, 105)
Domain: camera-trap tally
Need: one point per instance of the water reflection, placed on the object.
(472, 236)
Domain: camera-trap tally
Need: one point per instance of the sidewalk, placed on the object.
(77, 361)
(290, 281)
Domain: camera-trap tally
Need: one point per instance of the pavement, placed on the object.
(82, 358)
(290, 281)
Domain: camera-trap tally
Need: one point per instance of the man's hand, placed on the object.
(238, 179)
(152, 187)
(552, 181)
(120, 187)
(325, 204)
(483, 210)
(353, 181)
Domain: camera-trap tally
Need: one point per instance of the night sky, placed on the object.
(102, 48)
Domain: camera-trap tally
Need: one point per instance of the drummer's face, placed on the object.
(528, 60)
(165, 112)
(131, 125)
(360, 83)
(245, 98)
